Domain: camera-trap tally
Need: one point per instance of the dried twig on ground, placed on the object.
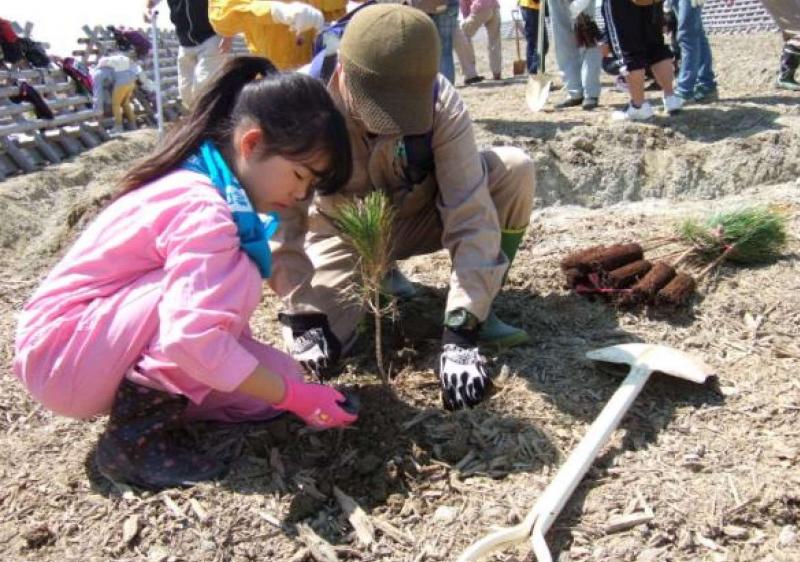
(361, 522)
(320, 549)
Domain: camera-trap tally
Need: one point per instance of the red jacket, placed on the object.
(7, 34)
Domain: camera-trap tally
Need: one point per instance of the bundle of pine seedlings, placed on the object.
(620, 273)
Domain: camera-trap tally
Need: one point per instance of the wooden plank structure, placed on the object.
(27, 143)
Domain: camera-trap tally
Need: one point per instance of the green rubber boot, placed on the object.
(494, 332)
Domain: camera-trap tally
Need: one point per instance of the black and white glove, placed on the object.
(314, 345)
(462, 376)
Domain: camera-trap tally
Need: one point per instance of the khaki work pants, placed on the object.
(462, 42)
(511, 184)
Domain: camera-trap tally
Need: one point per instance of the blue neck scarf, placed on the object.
(254, 229)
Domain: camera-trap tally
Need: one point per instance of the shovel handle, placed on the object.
(515, 21)
(540, 38)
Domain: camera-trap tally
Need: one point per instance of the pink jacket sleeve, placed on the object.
(211, 290)
(466, 7)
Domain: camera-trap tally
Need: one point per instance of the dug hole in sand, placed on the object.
(717, 466)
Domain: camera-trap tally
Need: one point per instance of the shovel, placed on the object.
(538, 88)
(520, 65)
(643, 359)
(157, 72)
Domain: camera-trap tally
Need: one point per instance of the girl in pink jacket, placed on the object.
(147, 314)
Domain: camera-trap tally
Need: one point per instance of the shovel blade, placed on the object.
(519, 67)
(658, 358)
(537, 91)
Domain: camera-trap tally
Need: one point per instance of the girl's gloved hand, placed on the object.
(319, 405)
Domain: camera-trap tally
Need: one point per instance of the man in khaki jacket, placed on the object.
(475, 204)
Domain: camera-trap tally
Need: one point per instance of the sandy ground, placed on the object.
(716, 465)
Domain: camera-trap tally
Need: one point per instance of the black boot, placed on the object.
(141, 444)
(790, 60)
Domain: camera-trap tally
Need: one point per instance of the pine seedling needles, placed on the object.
(749, 235)
(366, 225)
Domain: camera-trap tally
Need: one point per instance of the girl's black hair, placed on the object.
(295, 113)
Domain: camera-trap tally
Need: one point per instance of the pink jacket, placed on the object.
(180, 226)
(469, 6)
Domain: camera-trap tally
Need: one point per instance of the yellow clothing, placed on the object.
(533, 4)
(121, 98)
(332, 9)
(264, 37)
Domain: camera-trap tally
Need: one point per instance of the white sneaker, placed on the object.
(631, 113)
(672, 104)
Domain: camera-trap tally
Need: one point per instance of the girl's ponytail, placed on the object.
(209, 118)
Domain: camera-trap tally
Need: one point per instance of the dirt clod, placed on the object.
(38, 537)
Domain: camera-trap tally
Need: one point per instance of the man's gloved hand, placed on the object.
(318, 405)
(297, 15)
(314, 345)
(462, 369)
(462, 375)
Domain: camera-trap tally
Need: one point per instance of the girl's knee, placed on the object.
(272, 358)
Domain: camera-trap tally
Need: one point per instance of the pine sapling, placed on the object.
(366, 225)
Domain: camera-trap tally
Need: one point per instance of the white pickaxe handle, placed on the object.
(555, 496)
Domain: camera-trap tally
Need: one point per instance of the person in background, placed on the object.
(147, 315)
(696, 81)
(530, 17)
(786, 14)
(636, 36)
(576, 41)
(283, 32)
(121, 73)
(200, 51)
(477, 14)
(444, 14)
(790, 60)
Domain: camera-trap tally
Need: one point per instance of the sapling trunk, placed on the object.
(378, 312)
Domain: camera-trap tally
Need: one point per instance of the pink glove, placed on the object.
(318, 405)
